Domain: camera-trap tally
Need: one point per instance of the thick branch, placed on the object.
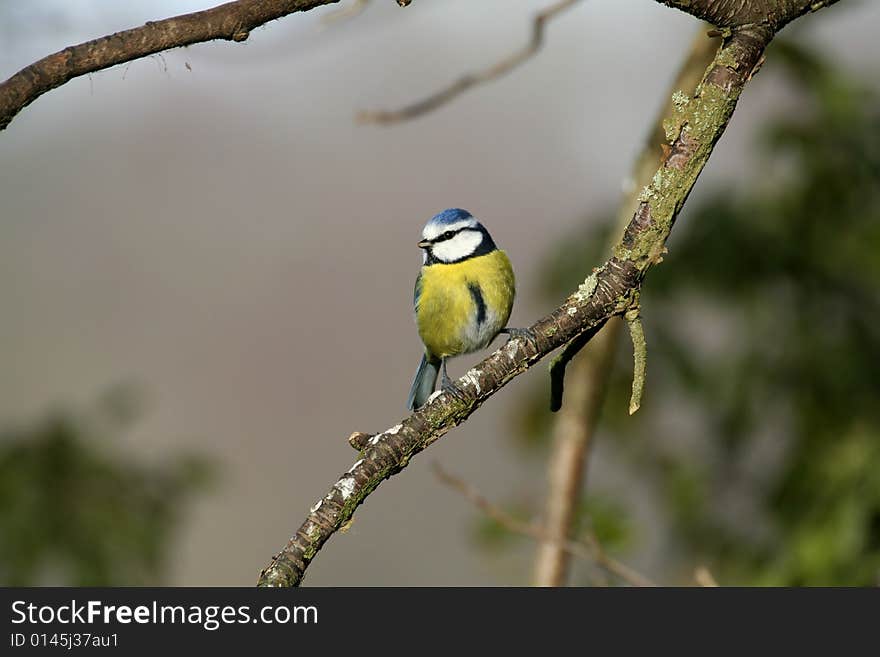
(696, 127)
(232, 21)
(774, 14)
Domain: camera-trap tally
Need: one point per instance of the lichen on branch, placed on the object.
(701, 123)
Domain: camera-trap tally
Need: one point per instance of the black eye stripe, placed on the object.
(449, 234)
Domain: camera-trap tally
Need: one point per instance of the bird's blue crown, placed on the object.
(450, 216)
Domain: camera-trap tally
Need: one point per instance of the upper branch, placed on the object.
(738, 13)
(232, 21)
(695, 127)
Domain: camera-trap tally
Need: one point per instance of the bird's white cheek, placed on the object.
(433, 230)
(460, 246)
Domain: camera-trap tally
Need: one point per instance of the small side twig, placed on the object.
(561, 361)
(465, 82)
(640, 356)
(359, 439)
(589, 549)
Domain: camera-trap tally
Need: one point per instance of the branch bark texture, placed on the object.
(774, 14)
(695, 126)
(232, 21)
(691, 133)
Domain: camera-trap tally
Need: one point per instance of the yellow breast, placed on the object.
(461, 307)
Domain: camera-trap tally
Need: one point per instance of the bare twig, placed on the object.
(640, 356)
(465, 82)
(589, 549)
(359, 439)
(559, 364)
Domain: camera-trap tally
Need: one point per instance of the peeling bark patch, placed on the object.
(345, 486)
(472, 376)
(624, 275)
(756, 67)
(682, 150)
(723, 77)
(640, 222)
(642, 217)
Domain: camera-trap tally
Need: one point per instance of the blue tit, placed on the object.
(463, 297)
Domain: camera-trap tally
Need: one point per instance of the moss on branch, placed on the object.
(699, 123)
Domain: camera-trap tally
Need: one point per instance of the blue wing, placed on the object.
(417, 292)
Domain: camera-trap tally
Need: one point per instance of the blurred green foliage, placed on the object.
(75, 511)
(759, 436)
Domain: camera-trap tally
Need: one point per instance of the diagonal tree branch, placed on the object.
(696, 125)
(232, 21)
(694, 129)
(575, 425)
(500, 68)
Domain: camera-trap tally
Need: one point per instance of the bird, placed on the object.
(462, 300)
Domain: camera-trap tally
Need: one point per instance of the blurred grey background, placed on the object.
(212, 225)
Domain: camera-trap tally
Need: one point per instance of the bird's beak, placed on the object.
(424, 244)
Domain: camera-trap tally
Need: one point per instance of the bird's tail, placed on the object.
(423, 383)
